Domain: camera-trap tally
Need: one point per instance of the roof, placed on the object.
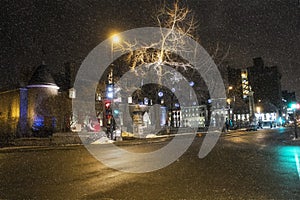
(42, 76)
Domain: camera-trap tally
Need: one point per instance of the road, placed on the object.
(243, 165)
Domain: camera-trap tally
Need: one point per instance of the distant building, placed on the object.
(237, 93)
(37, 109)
(266, 83)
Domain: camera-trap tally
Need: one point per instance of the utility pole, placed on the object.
(295, 106)
(251, 106)
(295, 123)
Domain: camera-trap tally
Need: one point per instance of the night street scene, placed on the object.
(140, 99)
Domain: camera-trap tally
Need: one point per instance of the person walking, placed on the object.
(227, 124)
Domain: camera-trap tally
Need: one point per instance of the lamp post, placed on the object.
(114, 40)
(229, 102)
(191, 83)
(229, 106)
(110, 122)
(295, 123)
(294, 107)
(259, 110)
(251, 106)
(110, 78)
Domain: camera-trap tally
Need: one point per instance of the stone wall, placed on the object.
(9, 111)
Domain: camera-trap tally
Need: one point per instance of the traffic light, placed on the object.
(108, 112)
(108, 109)
(109, 91)
(116, 112)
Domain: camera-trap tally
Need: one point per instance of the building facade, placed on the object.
(266, 84)
(255, 92)
(38, 109)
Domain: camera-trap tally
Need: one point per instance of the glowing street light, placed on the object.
(115, 38)
(258, 109)
(110, 90)
(160, 94)
(228, 101)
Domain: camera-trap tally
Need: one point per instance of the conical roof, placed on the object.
(42, 76)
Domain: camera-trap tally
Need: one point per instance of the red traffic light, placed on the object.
(107, 105)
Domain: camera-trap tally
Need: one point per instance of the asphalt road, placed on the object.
(243, 165)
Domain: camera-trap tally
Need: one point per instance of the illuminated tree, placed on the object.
(180, 23)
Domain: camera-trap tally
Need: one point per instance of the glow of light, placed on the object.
(173, 89)
(115, 38)
(15, 109)
(192, 83)
(258, 109)
(280, 120)
(43, 86)
(289, 159)
(38, 123)
(116, 112)
(297, 163)
(129, 99)
(72, 93)
(109, 95)
(228, 101)
(146, 101)
(109, 89)
(160, 94)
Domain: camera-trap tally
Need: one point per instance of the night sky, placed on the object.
(60, 31)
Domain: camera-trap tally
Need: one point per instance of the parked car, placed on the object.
(252, 127)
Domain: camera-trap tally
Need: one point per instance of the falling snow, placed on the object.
(66, 31)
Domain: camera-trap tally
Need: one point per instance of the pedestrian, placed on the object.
(227, 125)
(111, 127)
(260, 124)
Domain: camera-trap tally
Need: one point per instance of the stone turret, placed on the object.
(42, 90)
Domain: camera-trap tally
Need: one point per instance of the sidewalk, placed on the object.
(71, 138)
(290, 139)
(286, 138)
(66, 139)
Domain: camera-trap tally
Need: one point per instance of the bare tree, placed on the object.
(180, 23)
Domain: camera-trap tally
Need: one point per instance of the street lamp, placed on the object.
(115, 39)
(229, 103)
(251, 106)
(258, 109)
(110, 91)
(191, 83)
